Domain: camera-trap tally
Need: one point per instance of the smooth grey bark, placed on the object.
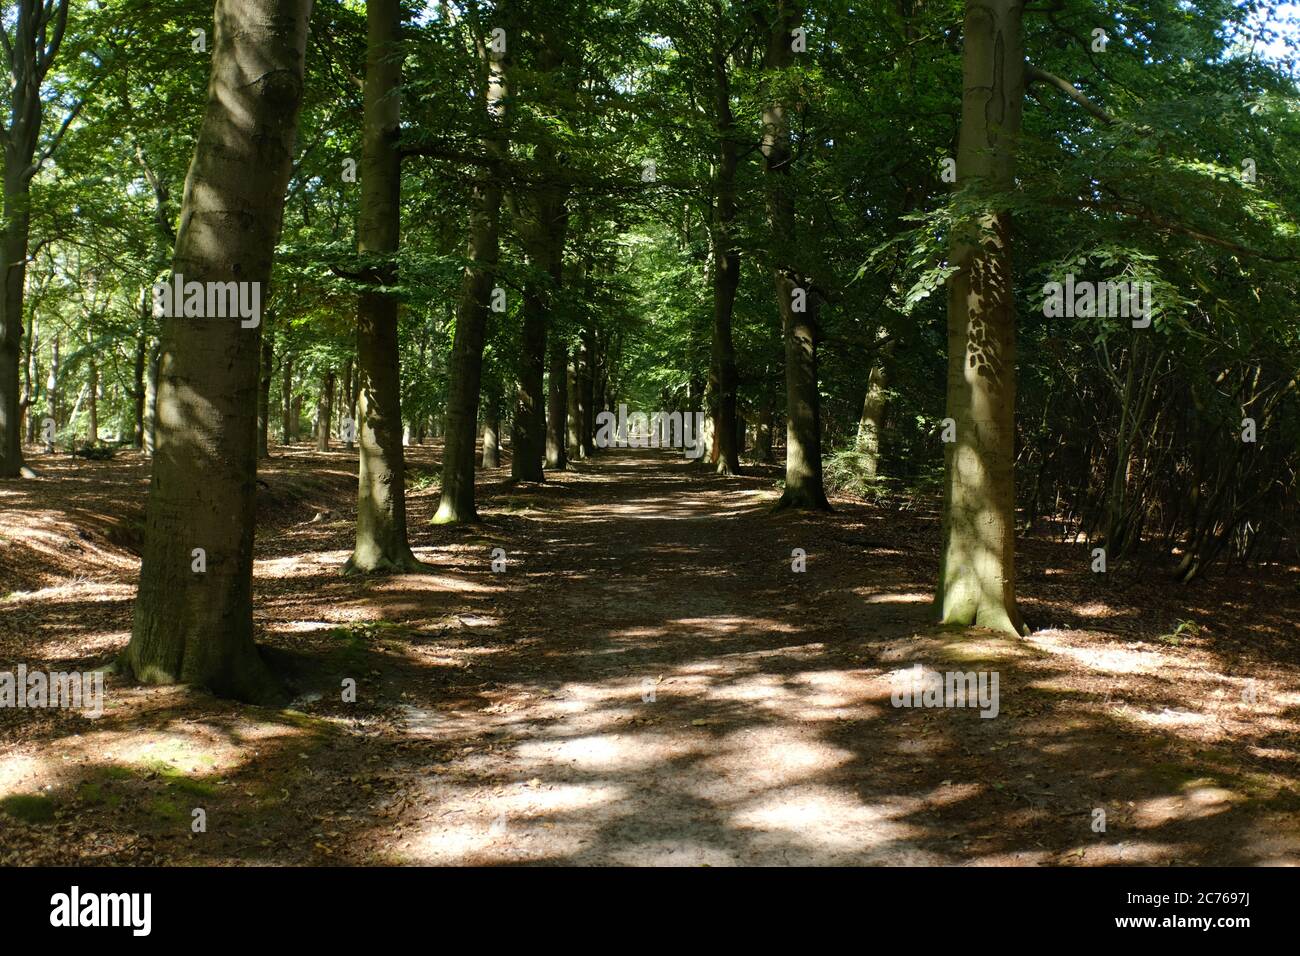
(491, 431)
(348, 412)
(381, 543)
(871, 422)
(325, 411)
(151, 400)
(977, 570)
(194, 622)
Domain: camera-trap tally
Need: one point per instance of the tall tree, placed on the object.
(457, 502)
(977, 571)
(796, 300)
(381, 541)
(726, 258)
(38, 30)
(193, 612)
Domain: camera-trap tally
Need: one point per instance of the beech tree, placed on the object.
(38, 30)
(381, 540)
(477, 286)
(797, 301)
(194, 616)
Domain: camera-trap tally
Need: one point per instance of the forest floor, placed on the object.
(646, 682)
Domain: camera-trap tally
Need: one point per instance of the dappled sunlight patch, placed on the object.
(1111, 659)
(604, 752)
(434, 583)
(890, 598)
(950, 794)
(83, 589)
(828, 820)
(684, 851)
(300, 627)
(307, 564)
(1093, 609)
(774, 756)
(1194, 803)
(478, 825)
(21, 773)
(767, 690)
(1167, 718)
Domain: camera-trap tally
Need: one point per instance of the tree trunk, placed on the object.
(52, 390)
(264, 395)
(139, 391)
(491, 431)
(32, 387)
(92, 407)
(794, 295)
(38, 30)
(287, 428)
(347, 413)
(557, 406)
(977, 570)
(151, 401)
(381, 540)
(456, 504)
(726, 274)
(325, 412)
(587, 393)
(575, 416)
(872, 420)
(196, 626)
(763, 434)
(540, 216)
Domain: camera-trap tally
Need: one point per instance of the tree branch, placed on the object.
(1034, 75)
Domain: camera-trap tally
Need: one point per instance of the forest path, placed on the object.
(668, 689)
(647, 681)
(652, 683)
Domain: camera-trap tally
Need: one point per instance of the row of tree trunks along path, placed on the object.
(641, 662)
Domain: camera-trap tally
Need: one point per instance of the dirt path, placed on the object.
(657, 685)
(649, 681)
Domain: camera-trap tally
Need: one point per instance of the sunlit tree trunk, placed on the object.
(348, 412)
(557, 406)
(872, 420)
(381, 539)
(193, 611)
(491, 430)
(31, 389)
(325, 411)
(92, 399)
(977, 570)
(151, 400)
